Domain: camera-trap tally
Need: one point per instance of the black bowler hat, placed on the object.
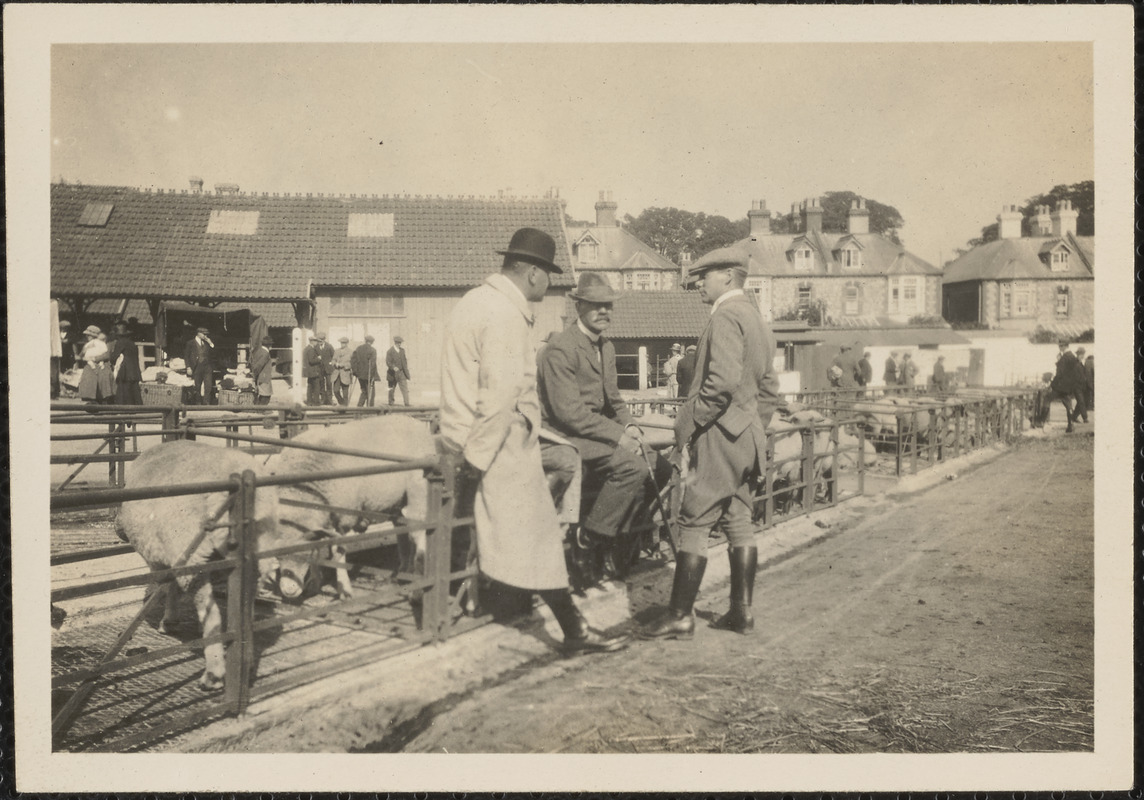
(533, 246)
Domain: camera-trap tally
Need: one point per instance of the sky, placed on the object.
(945, 132)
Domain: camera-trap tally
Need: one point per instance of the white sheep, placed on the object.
(162, 529)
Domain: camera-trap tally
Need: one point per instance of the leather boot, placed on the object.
(676, 622)
(578, 637)
(744, 563)
(584, 567)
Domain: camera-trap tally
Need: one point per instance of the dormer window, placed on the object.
(851, 257)
(233, 223)
(587, 252)
(803, 258)
(1059, 260)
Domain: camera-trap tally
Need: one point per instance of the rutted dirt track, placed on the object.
(956, 619)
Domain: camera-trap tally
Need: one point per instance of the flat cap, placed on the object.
(733, 257)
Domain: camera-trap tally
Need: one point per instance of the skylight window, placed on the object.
(377, 226)
(234, 223)
(95, 215)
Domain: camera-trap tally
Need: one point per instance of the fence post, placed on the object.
(809, 484)
(242, 584)
(861, 460)
(113, 444)
(438, 549)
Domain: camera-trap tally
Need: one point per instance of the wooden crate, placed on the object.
(235, 397)
(163, 394)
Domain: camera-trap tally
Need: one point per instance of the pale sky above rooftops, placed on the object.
(946, 132)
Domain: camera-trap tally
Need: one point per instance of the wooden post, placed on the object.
(242, 585)
(113, 445)
(914, 447)
(438, 544)
(642, 367)
(808, 481)
(898, 447)
(861, 460)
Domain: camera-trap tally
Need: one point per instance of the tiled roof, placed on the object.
(618, 247)
(1009, 259)
(655, 315)
(155, 244)
(768, 255)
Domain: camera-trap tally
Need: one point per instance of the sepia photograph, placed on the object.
(504, 398)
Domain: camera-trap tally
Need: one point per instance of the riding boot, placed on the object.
(744, 562)
(676, 622)
(585, 571)
(605, 555)
(578, 637)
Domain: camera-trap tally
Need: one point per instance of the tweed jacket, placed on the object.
(397, 363)
(262, 369)
(734, 388)
(579, 398)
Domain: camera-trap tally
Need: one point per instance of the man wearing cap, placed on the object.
(199, 359)
(326, 355)
(721, 428)
(579, 399)
(125, 371)
(490, 420)
(686, 370)
(843, 371)
(262, 370)
(343, 372)
(312, 370)
(890, 372)
(397, 370)
(363, 365)
(1068, 384)
(671, 369)
(865, 369)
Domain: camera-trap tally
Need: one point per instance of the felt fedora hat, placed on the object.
(534, 246)
(593, 288)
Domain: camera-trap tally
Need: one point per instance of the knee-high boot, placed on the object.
(676, 622)
(578, 637)
(744, 563)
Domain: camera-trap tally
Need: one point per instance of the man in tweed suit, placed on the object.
(722, 425)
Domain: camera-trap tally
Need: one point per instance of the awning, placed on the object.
(894, 337)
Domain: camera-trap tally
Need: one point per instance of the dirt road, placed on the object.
(957, 619)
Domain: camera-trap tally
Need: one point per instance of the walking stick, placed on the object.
(649, 462)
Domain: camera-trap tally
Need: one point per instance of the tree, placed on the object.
(1082, 195)
(672, 231)
(884, 219)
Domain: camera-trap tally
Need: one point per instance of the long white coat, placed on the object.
(491, 413)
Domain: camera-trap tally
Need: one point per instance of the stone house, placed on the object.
(616, 253)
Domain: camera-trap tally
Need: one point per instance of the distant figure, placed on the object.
(363, 365)
(1090, 379)
(1069, 385)
(890, 375)
(61, 350)
(670, 369)
(865, 370)
(262, 369)
(95, 383)
(940, 378)
(199, 358)
(343, 372)
(843, 370)
(908, 371)
(312, 370)
(397, 370)
(125, 370)
(326, 354)
(685, 371)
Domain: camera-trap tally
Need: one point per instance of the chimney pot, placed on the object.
(1064, 219)
(812, 215)
(858, 221)
(759, 218)
(1009, 222)
(605, 211)
(196, 184)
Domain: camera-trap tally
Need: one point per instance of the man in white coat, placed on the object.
(490, 417)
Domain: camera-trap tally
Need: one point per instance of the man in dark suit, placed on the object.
(397, 370)
(686, 370)
(125, 366)
(199, 358)
(363, 365)
(722, 430)
(313, 370)
(262, 370)
(326, 356)
(579, 399)
(1069, 384)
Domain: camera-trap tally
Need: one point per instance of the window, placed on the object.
(234, 223)
(95, 215)
(850, 300)
(377, 226)
(646, 280)
(1016, 300)
(757, 286)
(1062, 301)
(628, 281)
(587, 252)
(906, 296)
(367, 306)
(851, 257)
(804, 297)
(1060, 260)
(803, 258)
(1006, 300)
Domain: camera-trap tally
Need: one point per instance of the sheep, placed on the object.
(162, 529)
(788, 450)
(404, 492)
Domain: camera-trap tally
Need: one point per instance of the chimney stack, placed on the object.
(196, 184)
(1064, 219)
(760, 218)
(794, 218)
(859, 219)
(1009, 221)
(1043, 222)
(811, 215)
(605, 211)
(226, 188)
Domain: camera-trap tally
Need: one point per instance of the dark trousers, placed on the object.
(366, 398)
(127, 393)
(203, 376)
(342, 393)
(625, 489)
(261, 399)
(314, 391)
